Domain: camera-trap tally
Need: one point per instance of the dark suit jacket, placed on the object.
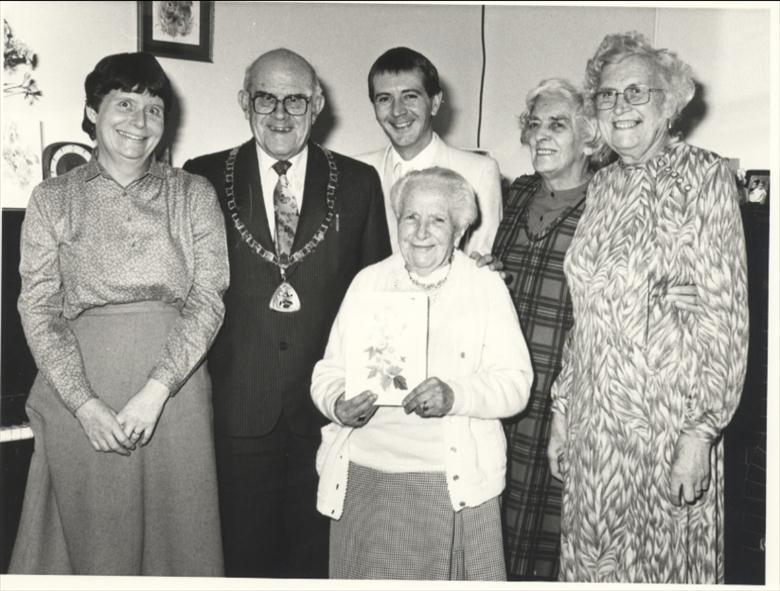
(261, 361)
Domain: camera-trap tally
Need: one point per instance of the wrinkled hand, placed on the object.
(684, 297)
(140, 415)
(690, 469)
(102, 428)
(488, 259)
(356, 411)
(432, 398)
(556, 453)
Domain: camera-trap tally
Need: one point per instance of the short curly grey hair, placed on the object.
(675, 73)
(461, 199)
(584, 123)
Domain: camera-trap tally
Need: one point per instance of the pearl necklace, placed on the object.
(429, 286)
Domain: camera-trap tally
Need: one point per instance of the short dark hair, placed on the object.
(129, 72)
(403, 59)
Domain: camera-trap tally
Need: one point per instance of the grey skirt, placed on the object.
(152, 513)
(402, 526)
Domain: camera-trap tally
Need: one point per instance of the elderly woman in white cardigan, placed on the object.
(413, 490)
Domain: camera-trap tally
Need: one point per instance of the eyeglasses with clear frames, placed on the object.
(634, 94)
(265, 103)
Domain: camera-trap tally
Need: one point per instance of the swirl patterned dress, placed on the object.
(637, 371)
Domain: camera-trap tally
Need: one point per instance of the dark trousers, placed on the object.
(267, 497)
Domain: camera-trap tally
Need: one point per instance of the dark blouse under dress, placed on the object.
(532, 250)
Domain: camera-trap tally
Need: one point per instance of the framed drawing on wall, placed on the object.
(182, 30)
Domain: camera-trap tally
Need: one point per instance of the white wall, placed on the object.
(728, 50)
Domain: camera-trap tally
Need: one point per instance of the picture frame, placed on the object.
(757, 187)
(179, 30)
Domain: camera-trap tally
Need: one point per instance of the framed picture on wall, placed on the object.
(757, 186)
(182, 30)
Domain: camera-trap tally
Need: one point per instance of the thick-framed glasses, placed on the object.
(264, 103)
(635, 94)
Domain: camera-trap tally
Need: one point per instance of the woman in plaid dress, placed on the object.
(540, 216)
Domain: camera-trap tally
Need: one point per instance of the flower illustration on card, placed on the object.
(384, 362)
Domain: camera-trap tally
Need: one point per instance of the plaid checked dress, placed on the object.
(532, 499)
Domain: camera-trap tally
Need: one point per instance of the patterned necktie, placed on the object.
(285, 210)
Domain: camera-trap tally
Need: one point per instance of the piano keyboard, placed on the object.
(15, 432)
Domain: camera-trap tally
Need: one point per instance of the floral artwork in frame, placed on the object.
(177, 29)
(387, 345)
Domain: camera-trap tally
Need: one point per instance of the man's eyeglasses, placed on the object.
(264, 103)
(635, 94)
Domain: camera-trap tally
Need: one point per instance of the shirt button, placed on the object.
(462, 354)
(462, 503)
(453, 449)
(282, 345)
(456, 477)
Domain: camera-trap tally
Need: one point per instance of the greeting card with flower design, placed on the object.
(387, 345)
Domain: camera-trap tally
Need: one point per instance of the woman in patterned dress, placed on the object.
(654, 364)
(123, 266)
(540, 216)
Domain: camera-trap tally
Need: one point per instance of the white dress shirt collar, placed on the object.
(424, 159)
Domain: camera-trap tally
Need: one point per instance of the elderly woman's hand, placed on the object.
(685, 297)
(140, 415)
(488, 259)
(432, 398)
(690, 469)
(356, 411)
(102, 428)
(556, 454)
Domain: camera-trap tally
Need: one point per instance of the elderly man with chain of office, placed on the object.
(301, 222)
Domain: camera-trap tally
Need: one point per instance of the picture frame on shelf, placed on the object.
(757, 186)
(179, 30)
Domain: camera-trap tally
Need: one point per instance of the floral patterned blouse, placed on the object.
(89, 242)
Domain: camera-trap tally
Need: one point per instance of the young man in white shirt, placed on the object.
(403, 86)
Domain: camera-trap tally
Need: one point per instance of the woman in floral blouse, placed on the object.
(123, 269)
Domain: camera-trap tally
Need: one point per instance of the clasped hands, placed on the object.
(432, 398)
(109, 431)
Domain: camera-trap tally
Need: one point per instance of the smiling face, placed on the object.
(426, 233)
(128, 127)
(405, 111)
(635, 132)
(279, 134)
(559, 153)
